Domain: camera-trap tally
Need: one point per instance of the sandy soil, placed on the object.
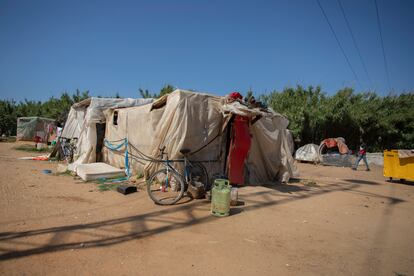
(333, 221)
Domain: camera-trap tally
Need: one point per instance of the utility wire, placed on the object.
(339, 43)
(382, 46)
(355, 43)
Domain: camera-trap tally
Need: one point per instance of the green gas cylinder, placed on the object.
(220, 198)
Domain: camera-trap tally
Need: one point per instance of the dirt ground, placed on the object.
(334, 221)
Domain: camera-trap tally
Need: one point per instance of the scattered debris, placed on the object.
(37, 158)
(249, 240)
(196, 190)
(126, 189)
(47, 171)
(311, 184)
(62, 168)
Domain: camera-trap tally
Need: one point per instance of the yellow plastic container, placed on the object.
(395, 167)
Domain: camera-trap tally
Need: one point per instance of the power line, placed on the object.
(355, 43)
(339, 43)
(382, 46)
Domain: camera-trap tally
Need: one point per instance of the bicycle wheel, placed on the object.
(198, 173)
(165, 187)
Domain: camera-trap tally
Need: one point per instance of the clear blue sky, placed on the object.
(47, 47)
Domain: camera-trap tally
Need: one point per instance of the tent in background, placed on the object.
(308, 152)
(30, 127)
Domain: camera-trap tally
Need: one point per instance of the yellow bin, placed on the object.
(396, 167)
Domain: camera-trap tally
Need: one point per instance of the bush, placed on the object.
(382, 122)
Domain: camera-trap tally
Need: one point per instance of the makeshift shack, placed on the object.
(86, 123)
(37, 129)
(290, 141)
(223, 134)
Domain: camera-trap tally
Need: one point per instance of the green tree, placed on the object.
(167, 89)
(55, 108)
(382, 122)
(164, 91)
(8, 117)
(145, 93)
(249, 93)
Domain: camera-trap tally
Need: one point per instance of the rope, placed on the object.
(194, 152)
(142, 156)
(115, 147)
(111, 146)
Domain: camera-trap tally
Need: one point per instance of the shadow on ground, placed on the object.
(106, 233)
(360, 181)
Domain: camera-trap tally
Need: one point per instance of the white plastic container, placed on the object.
(234, 194)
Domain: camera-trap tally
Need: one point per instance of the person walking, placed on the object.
(362, 154)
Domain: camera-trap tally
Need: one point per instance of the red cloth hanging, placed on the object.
(239, 148)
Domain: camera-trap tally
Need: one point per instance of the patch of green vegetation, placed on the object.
(311, 183)
(115, 179)
(65, 173)
(108, 187)
(8, 139)
(294, 180)
(107, 184)
(31, 148)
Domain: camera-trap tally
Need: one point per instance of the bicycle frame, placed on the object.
(168, 167)
(187, 170)
(174, 181)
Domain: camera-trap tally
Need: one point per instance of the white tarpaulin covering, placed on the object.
(290, 141)
(187, 120)
(196, 121)
(81, 124)
(308, 152)
(74, 123)
(269, 158)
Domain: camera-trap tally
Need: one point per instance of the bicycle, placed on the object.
(67, 149)
(167, 185)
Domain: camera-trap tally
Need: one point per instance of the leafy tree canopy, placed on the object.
(382, 122)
